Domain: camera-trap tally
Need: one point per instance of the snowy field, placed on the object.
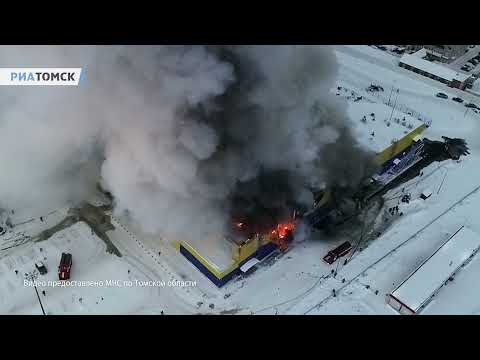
(298, 282)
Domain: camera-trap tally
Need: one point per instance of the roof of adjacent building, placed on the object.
(418, 288)
(416, 60)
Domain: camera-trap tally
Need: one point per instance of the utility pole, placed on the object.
(395, 105)
(32, 276)
(391, 92)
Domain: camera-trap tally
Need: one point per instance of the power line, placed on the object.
(440, 187)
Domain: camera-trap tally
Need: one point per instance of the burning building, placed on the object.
(254, 237)
(260, 228)
(187, 140)
(244, 244)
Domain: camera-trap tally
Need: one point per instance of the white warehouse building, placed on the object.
(421, 286)
(442, 73)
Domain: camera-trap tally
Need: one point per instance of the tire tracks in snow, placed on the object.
(150, 265)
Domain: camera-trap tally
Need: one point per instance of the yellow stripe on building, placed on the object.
(241, 252)
(398, 146)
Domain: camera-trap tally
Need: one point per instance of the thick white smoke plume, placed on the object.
(177, 133)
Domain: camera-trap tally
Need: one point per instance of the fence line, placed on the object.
(386, 101)
(403, 108)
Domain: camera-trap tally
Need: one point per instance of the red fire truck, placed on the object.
(65, 266)
(338, 252)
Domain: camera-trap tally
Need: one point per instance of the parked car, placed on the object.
(442, 95)
(398, 51)
(457, 99)
(374, 87)
(471, 106)
(338, 252)
(425, 194)
(41, 267)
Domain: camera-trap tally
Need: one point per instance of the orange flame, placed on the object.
(284, 228)
(279, 234)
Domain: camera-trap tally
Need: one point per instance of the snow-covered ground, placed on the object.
(298, 282)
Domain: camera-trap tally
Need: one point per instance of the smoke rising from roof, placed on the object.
(183, 136)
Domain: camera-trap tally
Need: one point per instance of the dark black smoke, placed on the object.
(185, 137)
(252, 131)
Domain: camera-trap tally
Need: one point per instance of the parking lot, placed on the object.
(468, 63)
(397, 51)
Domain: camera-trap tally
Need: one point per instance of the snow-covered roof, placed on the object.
(216, 252)
(419, 287)
(415, 60)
